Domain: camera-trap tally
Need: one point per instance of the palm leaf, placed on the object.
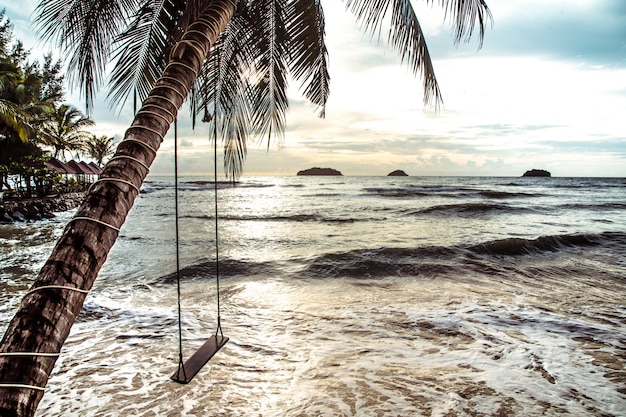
(309, 56)
(465, 14)
(14, 117)
(407, 37)
(269, 92)
(227, 90)
(85, 30)
(141, 50)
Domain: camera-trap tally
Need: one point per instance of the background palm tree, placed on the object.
(64, 131)
(99, 147)
(28, 94)
(161, 49)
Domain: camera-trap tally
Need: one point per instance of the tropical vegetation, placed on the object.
(35, 124)
(231, 61)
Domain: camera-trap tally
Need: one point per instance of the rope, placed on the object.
(57, 287)
(115, 180)
(97, 221)
(167, 77)
(156, 132)
(189, 42)
(160, 99)
(200, 33)
(181, 361)
(217, 246)
(169, 87)
(153, 113)
(141, 142)
(169, 113)
(33, 387)
(195, 73)
(45, 355)
(143, 164)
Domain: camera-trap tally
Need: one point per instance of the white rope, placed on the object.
(169, 87)
(155, 96)
(141, 142)
(34, 387)
(57, 287)
(142, 111)
(190, 42)
(160, 108)
(116, 180)
(132, 159)
(201, 33)
(167, 77)
(97, 221)
(45, 355)
(202, 21)
(195, 73)
(149, 130)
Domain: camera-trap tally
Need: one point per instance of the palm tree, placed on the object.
(99, 147)
(64, 130)
(234, 57)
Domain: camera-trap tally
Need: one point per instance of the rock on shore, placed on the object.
(38, 208)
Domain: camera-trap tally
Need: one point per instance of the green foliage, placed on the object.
(29, 91)
(31, 113)
(63, 131)
(99, 147)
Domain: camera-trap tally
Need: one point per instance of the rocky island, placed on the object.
(398, 173)
(319, 171)
(537, 173)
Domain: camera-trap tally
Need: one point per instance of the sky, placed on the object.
(547, 90)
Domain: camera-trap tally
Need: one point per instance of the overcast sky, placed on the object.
(547, 90)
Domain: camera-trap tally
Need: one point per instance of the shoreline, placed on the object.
(34, 209)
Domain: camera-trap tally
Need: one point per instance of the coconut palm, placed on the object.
(64, 131)
(99, 147)
(235, 57)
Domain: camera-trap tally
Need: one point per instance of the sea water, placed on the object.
(350, 296)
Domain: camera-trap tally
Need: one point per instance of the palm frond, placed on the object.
(269, 92)
(15, 119)
(309, 56)
(226, 90)
(141, 50)
(84, 30)
(407, 37)
(464, 15)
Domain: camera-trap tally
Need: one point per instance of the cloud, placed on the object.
(547, 90)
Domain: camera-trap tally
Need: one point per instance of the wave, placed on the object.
(594, 207)
(518, 246)
(199, 185)
(427, 261)
(207, 269)
(447, 191)
(505, 194)
(469, 209)
(299, 218)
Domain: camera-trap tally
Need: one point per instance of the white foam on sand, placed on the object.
(339, 347)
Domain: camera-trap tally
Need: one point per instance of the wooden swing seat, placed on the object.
(192, 366)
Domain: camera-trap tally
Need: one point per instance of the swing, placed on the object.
(188, 369)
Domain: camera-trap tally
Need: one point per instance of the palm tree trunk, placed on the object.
(47, 313)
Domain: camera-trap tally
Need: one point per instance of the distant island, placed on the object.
(319, 171)
(398, 173)
(537, 173)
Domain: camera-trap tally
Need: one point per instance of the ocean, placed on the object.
(350, 296)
